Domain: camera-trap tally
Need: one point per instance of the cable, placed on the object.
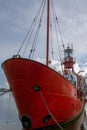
(51, 38)
(37, 32)
(56, 31)
(30, 29)
(44, 101)
(58, 25)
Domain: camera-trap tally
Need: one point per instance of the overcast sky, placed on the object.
(15, 19)
(16, 16)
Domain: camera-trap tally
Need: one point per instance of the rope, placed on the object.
(30, 31)
(58, 25)
(25, 38)
(37, 32)
(56, 30)
(34, 44)
(51, 39)
(44, 101)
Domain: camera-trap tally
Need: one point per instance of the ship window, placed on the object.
(68, 54)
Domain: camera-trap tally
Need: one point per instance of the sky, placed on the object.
(15, 19)
(17, 15)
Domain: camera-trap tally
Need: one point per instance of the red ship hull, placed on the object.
(36, 88)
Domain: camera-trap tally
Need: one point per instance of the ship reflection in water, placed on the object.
(79, 124)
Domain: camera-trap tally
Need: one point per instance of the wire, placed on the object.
(37, 32)
(58, 25)
(52, 51)
(56, 31)
(34, 20)
(34, 44)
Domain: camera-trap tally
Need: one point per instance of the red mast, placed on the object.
(48, 21)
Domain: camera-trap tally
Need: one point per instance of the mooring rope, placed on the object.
(44, 101)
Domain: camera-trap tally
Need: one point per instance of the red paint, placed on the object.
(59, 93)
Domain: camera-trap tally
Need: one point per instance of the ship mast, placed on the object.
(48, 26)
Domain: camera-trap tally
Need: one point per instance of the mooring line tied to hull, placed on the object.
(49, 111)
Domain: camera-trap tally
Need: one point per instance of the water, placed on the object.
(9, 116)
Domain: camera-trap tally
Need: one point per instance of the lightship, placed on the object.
(44, 97)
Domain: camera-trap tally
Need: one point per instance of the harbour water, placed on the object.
(9, 117)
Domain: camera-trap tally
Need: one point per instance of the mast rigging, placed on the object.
(33, 32)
